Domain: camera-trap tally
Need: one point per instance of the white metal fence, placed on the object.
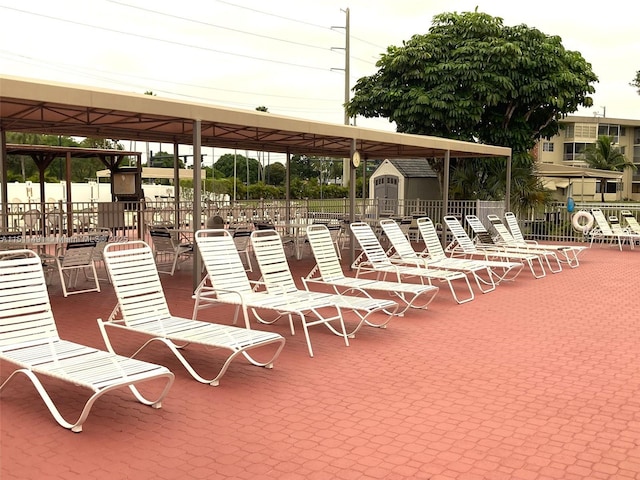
(552, 223)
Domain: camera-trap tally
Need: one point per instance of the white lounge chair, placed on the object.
(374, 260)
(142, 308)
(604, 233)
(328, 271)
(463, 246)
(227, 282)
(436, 256)
(29, 339)
(402, 251)
(277, 279)
(631, 221)
(508, 243)
(567, 253)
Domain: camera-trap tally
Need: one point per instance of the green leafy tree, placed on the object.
(636, 81)
(276, 172)
(304, 167)
(472, 78)
(225, 165)
(604, 155)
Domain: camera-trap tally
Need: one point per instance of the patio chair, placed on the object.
(328, 272)
(142, 308)
(631, 221)
(498, 271)
(463, 246)
(277, 279)
(506, 241)
(29, 340)
(74, 258)
(242, 240)
(168, 250)
(603, 232)
(31, 221)
(374, 260)
(401, 251)
(566, 253)
(226, 282)
(626, 235)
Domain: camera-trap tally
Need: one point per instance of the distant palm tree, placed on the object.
(603, 155)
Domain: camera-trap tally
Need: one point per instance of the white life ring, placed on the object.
(578, 218)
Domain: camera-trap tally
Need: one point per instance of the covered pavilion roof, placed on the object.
(55, 108)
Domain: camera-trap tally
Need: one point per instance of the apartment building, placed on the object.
(567, 149)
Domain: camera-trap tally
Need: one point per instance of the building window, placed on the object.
(547, 147)
(615, 131)
(585, 130)
(610, 187)
(574, 151)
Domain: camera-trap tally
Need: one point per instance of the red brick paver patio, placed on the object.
(539, 379)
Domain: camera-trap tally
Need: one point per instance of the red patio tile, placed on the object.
(538, 379)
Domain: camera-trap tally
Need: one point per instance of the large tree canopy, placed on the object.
(472, 78)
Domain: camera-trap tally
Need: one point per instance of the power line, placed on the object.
(236, 30)
(162, 40)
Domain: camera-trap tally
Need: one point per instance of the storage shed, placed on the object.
(397, 180)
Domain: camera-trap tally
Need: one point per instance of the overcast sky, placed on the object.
(283, 54)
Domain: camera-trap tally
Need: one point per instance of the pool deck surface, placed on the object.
(539, 379)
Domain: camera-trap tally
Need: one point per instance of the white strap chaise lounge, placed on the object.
(566, 253)
(142, 308)
(277, 279)
(29, 340)
(436, 256)
(328, 271)
(226, 282)
(401, 251)
(463, 246)
(374, 261)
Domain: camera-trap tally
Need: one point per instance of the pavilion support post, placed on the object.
(176, 183)
(68, 192)
(4, 200)
(197, 199)
(507, 194)
(287, 188)
(352, 202)
(445, 194)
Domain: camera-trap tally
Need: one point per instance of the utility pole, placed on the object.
(346, 165)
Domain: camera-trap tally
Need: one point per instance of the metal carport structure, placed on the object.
(28, 105)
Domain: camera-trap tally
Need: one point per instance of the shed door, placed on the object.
(386, 192)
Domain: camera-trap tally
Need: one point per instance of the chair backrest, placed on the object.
(30, 220)
(269, 252)
(514, 227)
(25, 311)
(601, 221)
(431, 240)
(324, 251)
(632, 223)
(162, 239)
(482, 234)
(616, 226)
(370, 245)
(501, 229)
(265, 226)
(398, 240)
(136, 282)
(242, 238)
(78, 253)
(458, 231)
(222, 261)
